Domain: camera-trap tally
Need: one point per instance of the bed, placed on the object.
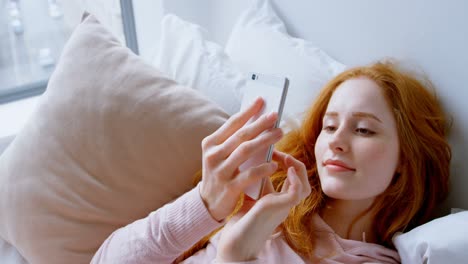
(429, 36)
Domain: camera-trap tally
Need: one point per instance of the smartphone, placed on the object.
(273, 90)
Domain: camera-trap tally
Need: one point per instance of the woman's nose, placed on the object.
(338, 142)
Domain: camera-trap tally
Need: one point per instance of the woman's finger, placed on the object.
(288, 160)
(248, 132)
(285, 186)
(295, 185)
(291, 192)
(280, 157)
(236, 121)
(249, 149)
(254, 174)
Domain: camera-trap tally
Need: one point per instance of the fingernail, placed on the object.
(278, 133)
(272, 115)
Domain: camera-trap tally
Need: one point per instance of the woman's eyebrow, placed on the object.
(356, 114)
(331, 114)
(366, 115)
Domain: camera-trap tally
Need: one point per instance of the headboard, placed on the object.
(430, 35)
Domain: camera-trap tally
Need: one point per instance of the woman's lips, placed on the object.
(336, 165)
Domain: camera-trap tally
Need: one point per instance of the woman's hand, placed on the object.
(246, 233)
(226, 149)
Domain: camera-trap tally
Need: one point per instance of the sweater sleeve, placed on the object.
(162, 236)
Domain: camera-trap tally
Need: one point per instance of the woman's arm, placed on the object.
(165, 234)
(162, 236)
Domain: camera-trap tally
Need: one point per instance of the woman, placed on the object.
(370, 159)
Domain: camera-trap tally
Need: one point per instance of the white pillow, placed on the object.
(259, 42)
(9, 254)
(186, 55)
(443, 240)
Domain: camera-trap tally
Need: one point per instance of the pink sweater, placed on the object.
(171, 230)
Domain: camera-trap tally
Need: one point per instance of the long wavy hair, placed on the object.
(414, 192)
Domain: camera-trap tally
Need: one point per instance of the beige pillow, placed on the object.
(111, 141)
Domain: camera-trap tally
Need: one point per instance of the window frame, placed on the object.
(37, 88)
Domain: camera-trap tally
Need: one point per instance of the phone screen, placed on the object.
(273, 90)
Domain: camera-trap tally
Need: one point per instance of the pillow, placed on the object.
(9, 254)
(456, 210)
(443, 240)
(112, 139)
(4, 142)
(259, 42)
(186, 54)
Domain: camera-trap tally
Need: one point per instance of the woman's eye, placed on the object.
(365, 131)
(329, 128)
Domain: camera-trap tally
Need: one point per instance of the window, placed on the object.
(33, 33)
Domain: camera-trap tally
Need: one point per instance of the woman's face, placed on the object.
(357, 150)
